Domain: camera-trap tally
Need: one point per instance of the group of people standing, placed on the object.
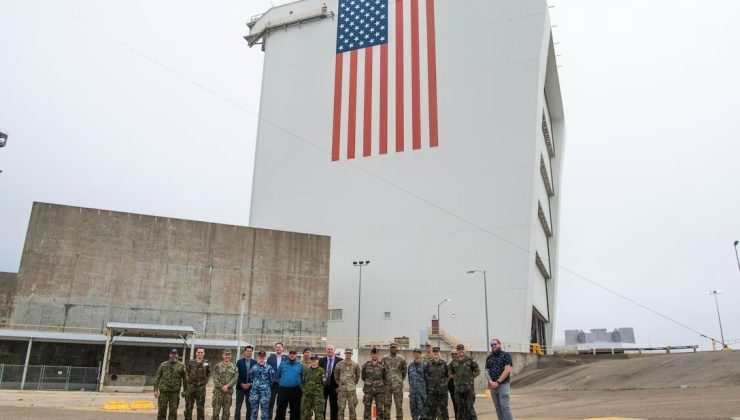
(308, 386)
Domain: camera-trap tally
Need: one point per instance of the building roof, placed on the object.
(68, 337)
(55, 337)
(150, 328)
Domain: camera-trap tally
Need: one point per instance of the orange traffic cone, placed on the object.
(375, 410)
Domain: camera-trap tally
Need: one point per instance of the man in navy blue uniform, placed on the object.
(243, 384)
(275, 360)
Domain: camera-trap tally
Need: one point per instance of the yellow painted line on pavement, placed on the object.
(116, 405)
(142, 405)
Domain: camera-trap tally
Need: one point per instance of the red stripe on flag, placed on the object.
(368, 106)
(352, 112)
(399, 76)
(383, 99)
(432, 76)
(337, 107)
(415, 78)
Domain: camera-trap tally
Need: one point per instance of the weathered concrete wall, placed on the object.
(8, 282)
(85, 267)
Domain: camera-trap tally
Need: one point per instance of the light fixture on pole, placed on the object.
(721, 334)
(736, 256)
(485, 301)
(359, 264)
(439, 327)
(3, 139)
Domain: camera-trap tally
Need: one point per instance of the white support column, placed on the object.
(25, 365)
(104, 369)
(192, 346)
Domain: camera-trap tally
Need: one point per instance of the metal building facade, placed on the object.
(486, 196)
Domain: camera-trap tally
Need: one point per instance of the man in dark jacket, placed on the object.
(330, 385)
(243, 384)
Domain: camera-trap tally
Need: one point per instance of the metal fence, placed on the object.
(49, 378)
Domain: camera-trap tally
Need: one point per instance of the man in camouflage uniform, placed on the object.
(306, 359)
(417, 386)
(224, 379)
(197, 372)
(347, 375)
(167, 384)
(427, 357)
(436, 374)
(396, 367)
(464, 370)
(262, 377)
(312, 401)
(374, 377)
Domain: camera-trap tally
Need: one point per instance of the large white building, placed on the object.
(426, 137)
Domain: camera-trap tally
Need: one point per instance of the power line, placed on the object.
(370, 174)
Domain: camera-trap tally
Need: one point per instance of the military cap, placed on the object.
(314, 357)
(348, 350)
(291, 352)
(417, 350)
(227, 351)
(460, 347)
(427, 344)
(173, 351)
(435, 349)
(306, 349)
(261, 353)
(374, 351)
(394, 345)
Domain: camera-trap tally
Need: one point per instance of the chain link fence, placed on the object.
(49, 378)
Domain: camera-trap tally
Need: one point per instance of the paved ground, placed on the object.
(674, 403)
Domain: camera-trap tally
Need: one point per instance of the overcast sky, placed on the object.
(150, 107)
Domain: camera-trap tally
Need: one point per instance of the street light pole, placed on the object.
(736, 256)
(359, 264)
(439, 326)
(241, 322)
(721, 334)
(485, 300)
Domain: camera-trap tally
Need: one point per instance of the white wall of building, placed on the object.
(422, 217)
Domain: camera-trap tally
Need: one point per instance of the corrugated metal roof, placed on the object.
(63, 337)
(150, 327)
(59, 337)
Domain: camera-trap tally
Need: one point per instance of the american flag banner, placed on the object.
(385, 77)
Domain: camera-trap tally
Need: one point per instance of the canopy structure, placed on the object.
(145, 333)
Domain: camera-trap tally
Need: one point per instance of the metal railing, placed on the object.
(49, 378)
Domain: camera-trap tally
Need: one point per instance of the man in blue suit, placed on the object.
(243, 383)
(275, 360)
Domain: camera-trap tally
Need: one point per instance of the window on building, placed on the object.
(386, 315)
(543, 220)
(541, 266)
(335, 314)
(546, 177)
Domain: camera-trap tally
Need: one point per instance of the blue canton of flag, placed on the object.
(361, 24)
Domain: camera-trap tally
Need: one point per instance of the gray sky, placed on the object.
(150, 107)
